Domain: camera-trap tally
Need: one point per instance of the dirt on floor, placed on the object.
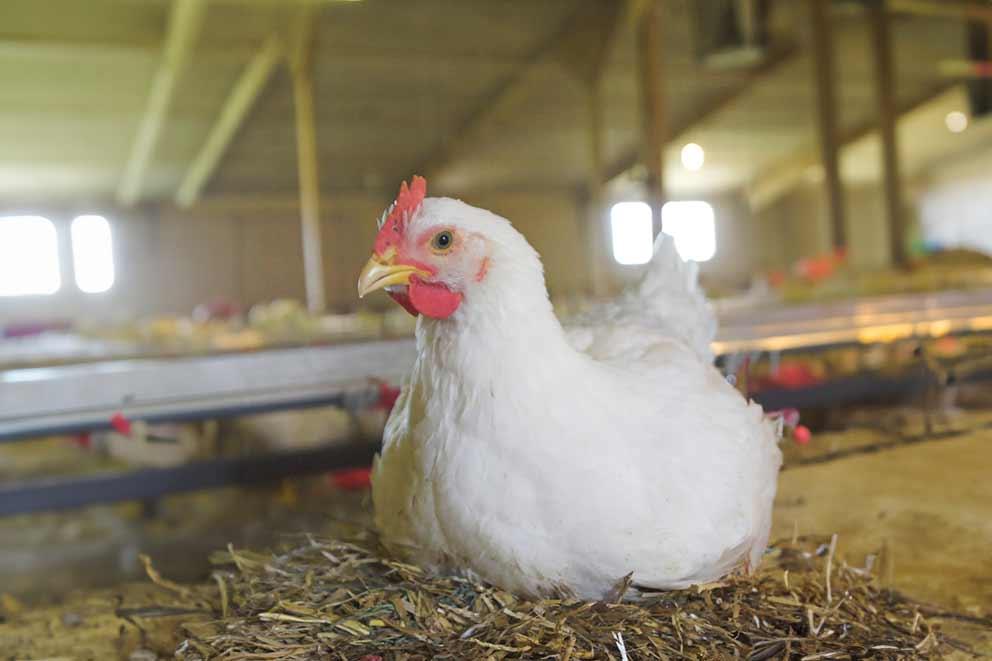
(921, 506)
(923, 509)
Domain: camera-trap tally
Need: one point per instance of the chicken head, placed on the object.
(424, 263)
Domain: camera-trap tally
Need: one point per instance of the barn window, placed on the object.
(29, 256)
(691, 224)
(92, 254)
(632, 232)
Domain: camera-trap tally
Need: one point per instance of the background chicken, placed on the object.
(543, 459)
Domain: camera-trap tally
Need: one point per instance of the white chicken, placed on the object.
(547, 460)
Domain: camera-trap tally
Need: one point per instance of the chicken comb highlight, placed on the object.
(394, 220)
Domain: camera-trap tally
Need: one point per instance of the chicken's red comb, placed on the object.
(395, 218)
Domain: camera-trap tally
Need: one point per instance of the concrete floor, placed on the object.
(929, 505)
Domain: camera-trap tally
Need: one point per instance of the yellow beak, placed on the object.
(378, 274)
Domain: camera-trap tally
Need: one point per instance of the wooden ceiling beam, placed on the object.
(239, 102)
(185, 22)
(301, 68)
(316, 4)
(512, 89)
(654, 118)
(788, 173)
(775, 62)
(825, 77)
(946, 8)
(888, 117)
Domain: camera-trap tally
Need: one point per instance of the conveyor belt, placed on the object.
(861, 321)
(84, 397)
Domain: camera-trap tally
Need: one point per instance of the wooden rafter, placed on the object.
(241, 99)
(588, 64)
(888, 116)
(509, 90)
(824, 72)
(786, 174)
(772, 65)
(653, 116)
(301, 67)
(948, 8)
(185, 22)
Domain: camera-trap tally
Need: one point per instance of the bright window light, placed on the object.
(92, 254)
(29, 256)
(956, 121)
(691, 225)
(693, 157)
(632, 231)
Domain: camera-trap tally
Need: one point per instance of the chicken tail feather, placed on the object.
(671, 288)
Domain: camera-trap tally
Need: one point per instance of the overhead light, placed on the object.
(956, 121)
(693, 156)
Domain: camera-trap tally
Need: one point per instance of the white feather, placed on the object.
(542, 460)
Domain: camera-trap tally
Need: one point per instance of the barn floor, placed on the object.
(925, 506)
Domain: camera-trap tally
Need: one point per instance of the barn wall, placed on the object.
(161, 264)
(250, 251)
(797, 225)
(868, 235)
(551, 223)
(740, 240)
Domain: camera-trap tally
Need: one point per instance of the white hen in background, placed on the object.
(543, 459)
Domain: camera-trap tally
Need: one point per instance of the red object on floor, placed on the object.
(121, 424)
(83, 440)
(802, 435)
(29, 328)
(352, 479)
(387, 396)
(790, 374)
(776, 278)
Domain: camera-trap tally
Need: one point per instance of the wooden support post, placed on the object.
(306, 150)
(649, 50)
(239, 102)
(948, 8)
(888, 115)
(595, 228)
(826, 97)
(786, 174)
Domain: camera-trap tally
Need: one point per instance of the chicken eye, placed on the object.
(442, 241)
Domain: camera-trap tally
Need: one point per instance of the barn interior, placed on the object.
(189, 190)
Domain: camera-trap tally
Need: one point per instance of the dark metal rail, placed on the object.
(148, 484)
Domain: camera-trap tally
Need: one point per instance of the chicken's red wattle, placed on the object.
(433, 299)
(402, 297)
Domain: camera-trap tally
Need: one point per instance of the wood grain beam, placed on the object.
(239, 102)
(788, 173)
(824, 70)
(507, 92)
(185, 22)
(776, 61)
(885, 81)
(301, 61)
(946, 8)
(653, 111)
(593, 221)
(587, 58)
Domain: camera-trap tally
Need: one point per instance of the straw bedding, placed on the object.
(333, 599)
